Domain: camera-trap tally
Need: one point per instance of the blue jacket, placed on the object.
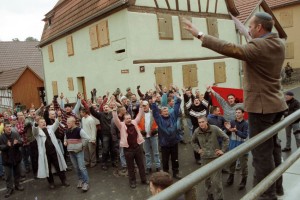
(167, 126)
(239, 137)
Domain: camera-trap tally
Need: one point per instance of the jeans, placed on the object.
(296, 130)
(122, 157)
(77, 160)
(107, 148)
(151, 143)
(1, 166)
(25, 156)
(189, 125)
(266, 156)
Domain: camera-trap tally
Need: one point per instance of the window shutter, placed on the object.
(289, 50)
(165, 26)
(286, 19)
(163, 76)
(185, 35)
(70, 48)
(212, 26)
(70, 84)
(50, 53)
(220, 72)
(190, 76)
(54, 88)
(94, 37)
(103, 33)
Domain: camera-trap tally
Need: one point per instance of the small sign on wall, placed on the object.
(142, 69)
(124, 71)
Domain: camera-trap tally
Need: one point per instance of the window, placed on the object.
(163, 76)
(99, 35)
(289, 50)
(190, 76)
(54, 88)
(50, 53)
(185, 35)
(212, 26)
(286, 19)
(165, 26)
(70, 48)
(220, 72)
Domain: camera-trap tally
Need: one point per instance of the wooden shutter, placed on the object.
(70, 48)
(289, 50)
(286, 19)
(70, 84)
(165, 26)
(103, 33)
(212, 26)
(185, 35)
(190, 76)
(220, 72)
(54, 88)
(163, 76)
(50, 53)
(94, 37)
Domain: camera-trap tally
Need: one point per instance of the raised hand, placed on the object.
(61, 95)
(190, 27)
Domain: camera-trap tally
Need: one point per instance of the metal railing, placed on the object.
(185, 185)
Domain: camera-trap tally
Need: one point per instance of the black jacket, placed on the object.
(11, 155)
(105, 120)
(293, 105)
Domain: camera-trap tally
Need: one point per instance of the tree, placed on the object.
(15, 40)
(31, 39)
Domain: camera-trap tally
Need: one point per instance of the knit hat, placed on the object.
(289, 93)
(123, 97)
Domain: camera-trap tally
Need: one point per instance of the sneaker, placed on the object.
(286, 149)
(79, 184)
(85, 187)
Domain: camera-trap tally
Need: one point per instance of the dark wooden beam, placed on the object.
(207, 5)
(188, 5)
(177, 60)
(168, 4)
(199, 5)
(156, 4)
(177, 5)
(216, 6)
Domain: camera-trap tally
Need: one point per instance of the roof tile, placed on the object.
(21, 54)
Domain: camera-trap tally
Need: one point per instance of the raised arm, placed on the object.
(116, 119)
(177, 107)
(77, 106)
(220, 99)
(164, 99)
(55, 125)
(140, 114)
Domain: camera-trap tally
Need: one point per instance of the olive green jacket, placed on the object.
(208, 140)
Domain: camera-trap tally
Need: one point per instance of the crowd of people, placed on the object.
(127, 131)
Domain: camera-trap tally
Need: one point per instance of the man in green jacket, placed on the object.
(207, 136)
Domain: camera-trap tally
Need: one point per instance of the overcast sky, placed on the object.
(23, 18)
